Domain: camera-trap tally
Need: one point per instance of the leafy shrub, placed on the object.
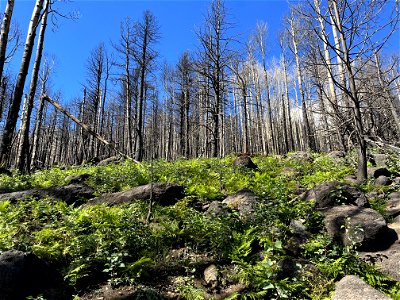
(116, 244)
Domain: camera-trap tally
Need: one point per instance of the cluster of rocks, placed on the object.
(347, 217)
(25, 275)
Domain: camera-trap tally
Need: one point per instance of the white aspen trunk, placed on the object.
(393, 111)
(22, 162)
(4, 31)
(309, 140)
(19, 86)
(345, 58)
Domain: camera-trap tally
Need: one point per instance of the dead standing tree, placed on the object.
(260, 39)
(4, 32)
(359, 31)
(12, 117)
(214, 60)
(295, 33)
(22, 162)
(147, 33)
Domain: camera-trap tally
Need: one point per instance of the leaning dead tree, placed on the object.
(85, 127)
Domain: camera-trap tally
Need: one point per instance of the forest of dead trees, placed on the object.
(332, 87)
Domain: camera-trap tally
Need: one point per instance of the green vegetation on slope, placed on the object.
(90, 244)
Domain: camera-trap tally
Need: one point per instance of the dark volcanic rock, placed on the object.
(376, 172)
(380, 160)
(24, 274)
(71, 194)
(244, 202)
(352, 179)
(163, 193)
(357, 225)
(298, 236)
(217, 209)
(244, 161)
(383, 180)
(337, 154)
(393, 204)
(333, 193)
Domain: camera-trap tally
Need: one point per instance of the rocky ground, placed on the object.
(347, 218)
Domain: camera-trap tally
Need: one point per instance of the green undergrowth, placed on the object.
(90, 244)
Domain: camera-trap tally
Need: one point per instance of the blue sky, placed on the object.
(99, 21)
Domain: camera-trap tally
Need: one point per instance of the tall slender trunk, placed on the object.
(103, 102)
(139, 126)
(289, 115)
(340, 64)
(309, 138)
(324, 113)
(3, 92)
(259, 111)
(285, 131)
(128, 101)
(23, 161)
(4, 31)
(393, 110)
(331, 84)
(187, 108)
(245, 120)
(19, 86)
(270, 122)
(345, 58)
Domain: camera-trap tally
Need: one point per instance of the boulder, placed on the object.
(329, 194)
(396, 180)
(289, 172)
(396, 219)
(388, 260)
(211, 275)
(300, 268)
(301, 156)
(352, 287)
(217, 209)
(24, 274)
(288, 268)
(244, 202)
(380, 160)
(71, 194)
(383, 181)
(244, 161)
(375, 195)
(392, 207)
(76, 179)
(337, 154)
(298, 236)
(378, 171)
(162, 193)
(351, 179)
(364, 227)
